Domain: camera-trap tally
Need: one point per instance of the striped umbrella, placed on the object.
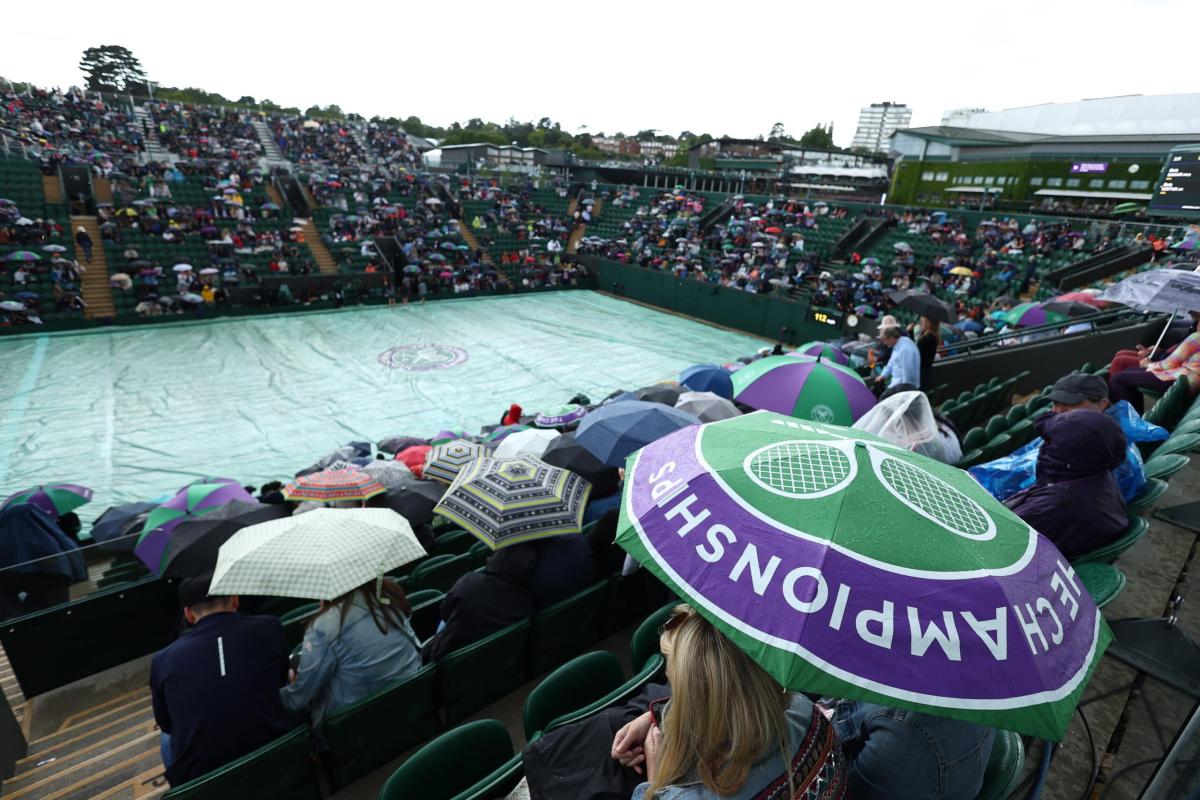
(499, 434)
(506, 501)
(330, 485)
(802, 387)
(560, 416)
(193, 500)
(824, 351)
(55, 499)
(1029, 315)
(443, 461)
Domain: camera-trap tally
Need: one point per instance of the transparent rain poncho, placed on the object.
(906, 420)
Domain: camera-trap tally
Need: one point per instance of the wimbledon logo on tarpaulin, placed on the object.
(424, 357)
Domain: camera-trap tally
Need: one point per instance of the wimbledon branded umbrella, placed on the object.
(320, 555)
(444, 461)
(846, 566)
(193, 500)
(707, 407)
(612, 432)
(192, 547)
(499, 433)
(824, 351)
(506, 501)
(330, 485)
(442, 437)
(55, 499)
(1029, 315)
(707, 378)
(1069, 308)
(532, 442)
(560, 416)
(804, 388)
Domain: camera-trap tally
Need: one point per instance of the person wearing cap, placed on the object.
(1079, 390)
(215, 690)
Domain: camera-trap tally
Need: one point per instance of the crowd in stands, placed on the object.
(38, 273)
(73, 126)
(202, 132)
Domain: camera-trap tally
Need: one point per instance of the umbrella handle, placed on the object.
(1154, 349)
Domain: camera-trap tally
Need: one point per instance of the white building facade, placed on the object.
(877, 122)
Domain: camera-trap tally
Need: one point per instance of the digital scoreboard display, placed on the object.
(1177, 192)
(826, 316)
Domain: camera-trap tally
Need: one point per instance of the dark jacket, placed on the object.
(1075, 501)
(482, 603)
(564, 567)
(216, 692)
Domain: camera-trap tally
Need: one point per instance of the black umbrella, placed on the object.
(115, 529)
(1070, 308)
(665, 393)
(924, 304)
(31, 542)
(414, 501)
(195, 542)
(569, 454)
(394, 444)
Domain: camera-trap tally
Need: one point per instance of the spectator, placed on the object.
(929, 339)
(904, 364)
(358, 644)
(1158, 376)
(215, 690)
(906, 420)
(85, 243)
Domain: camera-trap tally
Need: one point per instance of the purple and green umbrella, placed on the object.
(803, 387)
(497, 435)
(191, 501)
(849, 567)
(560, 416)
(55, 499)
(1030, 315)
(22, 255)
(442, 437)
(823, 351)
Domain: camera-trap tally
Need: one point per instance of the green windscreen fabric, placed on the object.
(137, 413)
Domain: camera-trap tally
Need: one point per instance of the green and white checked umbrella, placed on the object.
(506, 501)
(320, 555)
(443, 461)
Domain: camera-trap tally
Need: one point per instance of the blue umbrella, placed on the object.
(708, 378)
(118, 523)
(32, 542)
(613, 432)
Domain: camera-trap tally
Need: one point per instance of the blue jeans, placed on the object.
(164, 749)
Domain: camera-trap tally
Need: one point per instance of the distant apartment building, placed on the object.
(877, 122)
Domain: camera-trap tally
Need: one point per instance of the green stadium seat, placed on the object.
(995, 426)
(1109, 552)
(471, 761)
(1178, 443)
(1165, 466)
(1102, 581)
(1147, 495)
(282, 769)
(567, 627)
(1004, 767)
(482, 672)
(454, 542)
(426, 605)
(440, 572)
(295, 623)
(643, 646)
(577, 684)
(975, 438)
(970, 458)
(1017, 414)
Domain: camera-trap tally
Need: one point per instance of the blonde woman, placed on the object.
(729, 731)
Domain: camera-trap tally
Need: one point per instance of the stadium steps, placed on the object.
(102, 190)
(321, 254)
(154, 148)
(13, 693)
(52, 189)
(571, 206)
(94, 285)
(468, 236)
(276, 197)
(270, 149)
(577, 233)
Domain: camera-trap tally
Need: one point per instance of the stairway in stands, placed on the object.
(102, 190)
(96, 289)
(154, 149)
(270, 149)
(276, 197)
(577, 233)
(321, 254)
(468, 236)
(52, 189)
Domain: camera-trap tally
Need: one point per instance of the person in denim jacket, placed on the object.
(729, 731)
(358, 644)
(895, 754)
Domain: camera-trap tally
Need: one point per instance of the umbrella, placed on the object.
(54, 248)
(870, 261)
(961, 271)
(1167, 290)
(560, 416)
(269, 207)
(415, 501)
(413, 457)
(569, 454)
(32, 542)
(612, 432)
(804, 388)
(532, 442)
(1128, 208)
(116, 526)
(500, 432)
(925, 304)
(24, 221)
(848, 567)
(320, 555)
(822, 351)
(444, 461)
(666, 393)
(394, 444)
(433, 201)
(330, 485)
(210, 271)
(392, 474)
(182, 268)
(442, 437)
(11, 305)
(706, 406)
(22, 255)
(506, 501)
(1081, 297)
(189, 297)
(903, 247)
(1069, 308)
(707, 378)
(1029, 315)
(55, 499)
(192, 548)
(193, 500)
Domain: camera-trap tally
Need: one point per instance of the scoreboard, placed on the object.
(1177, 192)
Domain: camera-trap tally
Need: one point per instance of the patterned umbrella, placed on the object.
(115, 528)
(444, 461)
(506, 501)
(193, 500)
(22, 255)
(1029, 315)
(320, 555)
(55, 499)
(532, 442)
(392, 474)
(612, 432)
(849, 567)
(707, 378)
(824, 351)
(500, 433)
(803, 387)
(330, 485)
(560, 416)
(442, 437)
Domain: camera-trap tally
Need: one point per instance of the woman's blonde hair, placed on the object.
(725, 710)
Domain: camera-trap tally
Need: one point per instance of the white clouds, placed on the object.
(613, 65)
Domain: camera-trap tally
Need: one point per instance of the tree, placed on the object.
(818, 137)
(246, 100)
(777, 132)
(111, 68)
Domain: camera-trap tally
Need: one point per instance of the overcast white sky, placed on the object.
(721, 68)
